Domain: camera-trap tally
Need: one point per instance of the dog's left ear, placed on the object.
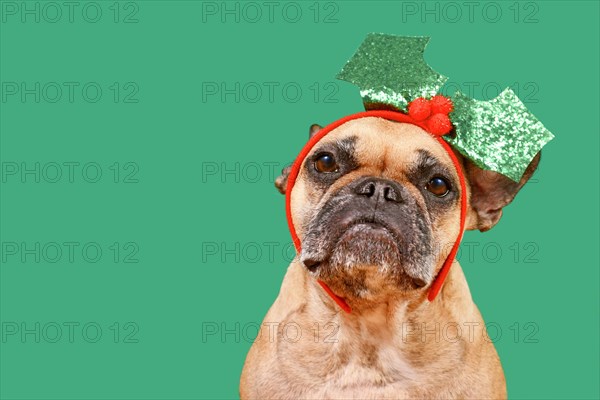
(490, 192)
(281, 181)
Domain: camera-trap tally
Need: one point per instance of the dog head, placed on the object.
(376, 206)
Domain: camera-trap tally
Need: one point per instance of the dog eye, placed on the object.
(326, 163)
(438, 186)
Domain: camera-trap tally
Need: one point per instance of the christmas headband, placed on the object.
(397, 84)
(499, 135)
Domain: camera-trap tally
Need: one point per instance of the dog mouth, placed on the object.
(364, 257)
(359, 241)
(361, 236)
(368, 228)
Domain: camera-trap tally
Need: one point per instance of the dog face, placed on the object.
(376, 206)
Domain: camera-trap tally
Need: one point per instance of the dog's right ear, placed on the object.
(281, 181)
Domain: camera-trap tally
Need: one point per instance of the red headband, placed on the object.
(392, 116)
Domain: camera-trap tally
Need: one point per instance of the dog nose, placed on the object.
(379, 190)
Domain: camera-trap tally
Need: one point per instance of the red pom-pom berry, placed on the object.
(419, 109)
(439, 124)
(441, 105)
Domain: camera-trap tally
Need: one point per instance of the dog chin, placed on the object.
(365, 265)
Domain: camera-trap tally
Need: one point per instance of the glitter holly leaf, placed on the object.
(390, 71)
(499, 135)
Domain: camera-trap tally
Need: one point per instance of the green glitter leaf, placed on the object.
(391, 70)
(499, 135)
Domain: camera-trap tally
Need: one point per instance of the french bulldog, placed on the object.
(376, 208)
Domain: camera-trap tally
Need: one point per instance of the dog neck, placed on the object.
(392, 311)
(383, 343)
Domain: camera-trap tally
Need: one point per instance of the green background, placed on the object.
(202, 240)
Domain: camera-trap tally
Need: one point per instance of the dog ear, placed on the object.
(281, 181)
(490, 192)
